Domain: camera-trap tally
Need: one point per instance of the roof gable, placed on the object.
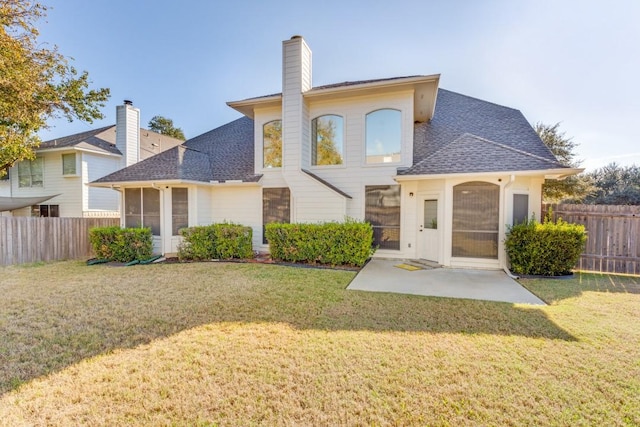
(471, 135)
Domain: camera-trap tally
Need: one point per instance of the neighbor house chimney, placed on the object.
(128, 132)
(296, 79)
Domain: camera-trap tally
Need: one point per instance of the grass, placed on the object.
(245, 344)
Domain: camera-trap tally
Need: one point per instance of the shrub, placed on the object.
(548, 249)
(332, 243)
(216, 241)
(121, 244)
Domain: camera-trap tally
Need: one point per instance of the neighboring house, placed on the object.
(54, 184)
(438, 174)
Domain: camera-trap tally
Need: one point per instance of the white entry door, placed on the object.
(428, 233)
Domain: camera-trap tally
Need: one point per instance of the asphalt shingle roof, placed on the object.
(91, 137)
(465, 135)
(471, 135)
(223, 154)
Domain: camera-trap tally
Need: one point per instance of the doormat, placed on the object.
(408, 267)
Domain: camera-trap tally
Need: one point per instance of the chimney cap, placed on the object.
(128, 102)
(296, 37)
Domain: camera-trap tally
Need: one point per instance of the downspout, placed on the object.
(512, 179)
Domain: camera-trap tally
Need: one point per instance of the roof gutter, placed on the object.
(548, 174)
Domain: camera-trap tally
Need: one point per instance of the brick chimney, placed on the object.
(128, 133)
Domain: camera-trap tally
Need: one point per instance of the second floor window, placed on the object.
(383, 136)
(30, 173)
(326, 140)
(69, 164)
(272, 144)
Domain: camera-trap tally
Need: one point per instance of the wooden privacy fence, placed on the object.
(31, 239)
(613, 242)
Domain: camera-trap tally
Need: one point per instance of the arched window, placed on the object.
(476, 217)
(272, 144)
(383, 136)
(326, 140)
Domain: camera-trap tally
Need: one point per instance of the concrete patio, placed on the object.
(381, 275)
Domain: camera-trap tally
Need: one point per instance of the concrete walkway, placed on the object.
(380, 275)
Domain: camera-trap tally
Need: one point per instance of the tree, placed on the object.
(574, 188)
(36, 84)
(615, 185)
(165, 126)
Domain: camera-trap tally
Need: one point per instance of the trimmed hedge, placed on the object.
(121, 244)
(216, 241)
(332, 243)
(547, 249)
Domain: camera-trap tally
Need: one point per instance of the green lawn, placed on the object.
(248, 344)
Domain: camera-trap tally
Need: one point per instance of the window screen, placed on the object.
(475, 220)
(151, 210)
(520, 208)
(179, 209)
(133, 207)
(276, 207)
(382, 211)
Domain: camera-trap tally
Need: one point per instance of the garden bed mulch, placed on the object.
(259, 259)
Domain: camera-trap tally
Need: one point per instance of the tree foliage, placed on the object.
(36, 84)
(165, 126)
(574, 187)
(615, 185)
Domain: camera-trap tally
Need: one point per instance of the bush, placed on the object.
(121, 244)
(332, 243)
(216, 241)
(547, 249)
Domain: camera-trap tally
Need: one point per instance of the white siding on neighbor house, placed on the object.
(241, 205)
(5, 188)
(99, 201)
(5, 191)
(69, 187)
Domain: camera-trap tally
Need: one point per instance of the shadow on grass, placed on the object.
(553, 290)
(81, 312)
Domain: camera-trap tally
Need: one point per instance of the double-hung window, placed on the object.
(30, 173)
(69, 164)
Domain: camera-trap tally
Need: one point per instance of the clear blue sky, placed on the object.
(574, 62)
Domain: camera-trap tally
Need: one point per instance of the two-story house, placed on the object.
(438, 174)
(55, 182)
